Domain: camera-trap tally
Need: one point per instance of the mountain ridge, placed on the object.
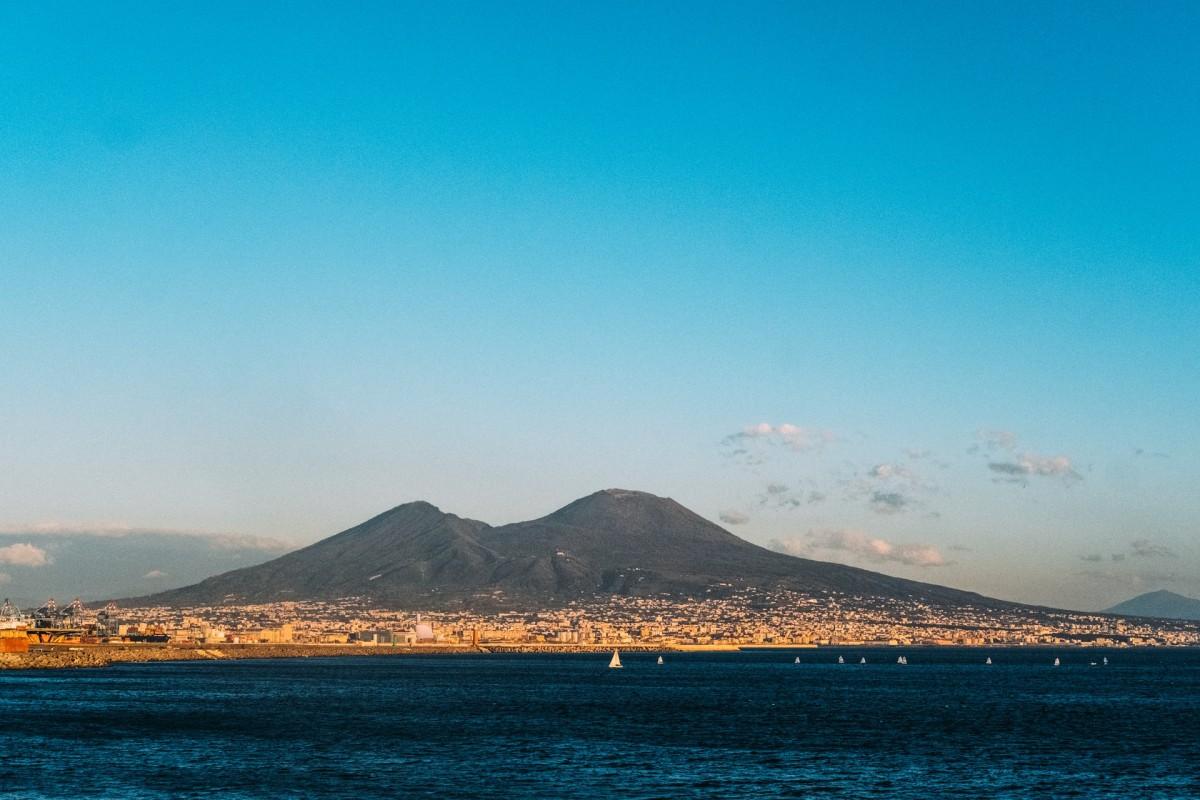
(611, 542)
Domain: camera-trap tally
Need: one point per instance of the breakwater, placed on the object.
(77, 656)
(63, 657)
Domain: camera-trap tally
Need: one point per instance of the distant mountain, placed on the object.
(98, 564)
(1161, 604)
(614, 542)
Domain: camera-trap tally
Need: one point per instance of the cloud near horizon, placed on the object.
(24, 554)
(219, 541)
(862, 545)
(734, 518)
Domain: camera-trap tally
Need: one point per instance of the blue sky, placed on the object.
(269, 269)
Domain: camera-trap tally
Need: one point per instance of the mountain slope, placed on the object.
(611, 542)
(1161, 604)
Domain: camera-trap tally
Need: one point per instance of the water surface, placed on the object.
(740, 725)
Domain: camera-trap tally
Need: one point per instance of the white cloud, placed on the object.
(155, 573)
(1033, 464)
(218, 541)
(24, 555)
(795, 437)
(237, 541)
(862, 545)
(53, 527)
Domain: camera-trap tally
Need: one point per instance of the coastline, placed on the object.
(85, 656)
(92, 656)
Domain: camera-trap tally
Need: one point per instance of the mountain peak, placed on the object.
(1162, 603)
(411, 510)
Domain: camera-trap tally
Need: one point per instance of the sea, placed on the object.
(701, 725)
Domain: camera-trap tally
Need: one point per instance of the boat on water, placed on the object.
(862, 661)
(797, 661)
(660, 661)
(989, 661)
(615, 661)
(902, 660)
(1057, 662)
(1105, 662)
(841, 660)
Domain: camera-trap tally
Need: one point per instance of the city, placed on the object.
(743, 619)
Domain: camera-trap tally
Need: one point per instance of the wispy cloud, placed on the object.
(782, 496)
(1136, 580)
(993, 439)
(863, 546)
(1032, 465)
(24, 554)
(241, 541)
(1139, 548)
(219, 541)
(1144, 548)
(888, 502)
(155, 573)
(889, 487)
(734, 518)
(786, 435)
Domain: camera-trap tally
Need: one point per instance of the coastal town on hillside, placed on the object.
(741, 619)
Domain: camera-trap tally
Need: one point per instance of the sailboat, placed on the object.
(1106, 661)
(841, 660)
(660, 661)
(797, 661)
(615, 662)
(902, 660)
(862, 661)
(1057, 662)
(989, 661)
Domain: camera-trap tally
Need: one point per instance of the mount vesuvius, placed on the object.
(613, 542)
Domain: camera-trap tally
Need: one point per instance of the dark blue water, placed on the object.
(749, 725)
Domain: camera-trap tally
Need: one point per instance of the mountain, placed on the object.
(611, 542)
(1161, 604)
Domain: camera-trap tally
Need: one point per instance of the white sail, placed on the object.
(660, 661)
(841, 660)
(989, 661)
(797, 661)
(1106, 661)
(615, 662)
(862, 661)
(1057, 662)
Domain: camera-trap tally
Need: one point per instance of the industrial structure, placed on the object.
(13, 625)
